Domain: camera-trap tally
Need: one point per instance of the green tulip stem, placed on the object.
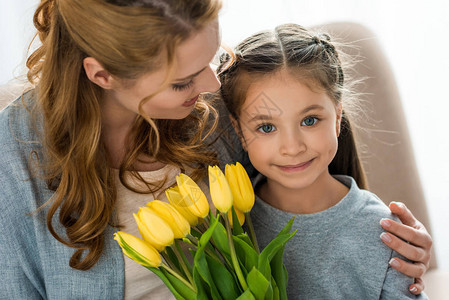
(206, 222)
(252, 234)
(192, 239)
(202, 226)
(214, 255)
(234, 259)
(168, 260)
(174, 273)
(183, 261)
(223, 257)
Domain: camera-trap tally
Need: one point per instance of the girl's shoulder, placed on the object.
(369, 204)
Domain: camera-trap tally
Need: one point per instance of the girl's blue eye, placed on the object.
(266, 128)
(309, 121)
(181, 87)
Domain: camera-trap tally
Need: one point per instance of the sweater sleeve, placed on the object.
(15, 283)
(396, 284)
(15, 271)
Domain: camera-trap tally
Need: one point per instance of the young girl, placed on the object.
(116, 113)
(286, 92)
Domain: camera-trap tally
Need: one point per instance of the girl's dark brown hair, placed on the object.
(311, 58)
(128, 38)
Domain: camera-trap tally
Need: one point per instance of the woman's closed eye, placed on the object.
(182, 86)
(309, 121)
(266, 128)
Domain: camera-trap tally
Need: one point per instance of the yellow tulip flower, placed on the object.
(172, 217)
(241, 187)
(175, 199)
(240, 216)
(220, 191)
(154, 229)
(138, 250)
(193, 197)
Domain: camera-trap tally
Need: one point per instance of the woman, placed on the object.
(116, 112)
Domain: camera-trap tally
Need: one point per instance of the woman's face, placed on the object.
(193, 75)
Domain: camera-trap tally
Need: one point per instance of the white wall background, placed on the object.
(414, 37)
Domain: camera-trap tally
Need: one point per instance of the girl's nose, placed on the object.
(292, 144)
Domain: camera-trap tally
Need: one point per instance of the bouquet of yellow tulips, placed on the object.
(227, 263)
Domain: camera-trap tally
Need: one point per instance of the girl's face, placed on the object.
(289, 131)
(193, 75)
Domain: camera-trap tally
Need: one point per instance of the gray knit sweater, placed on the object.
(336, 253)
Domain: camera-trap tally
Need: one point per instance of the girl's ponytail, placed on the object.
(347, 161)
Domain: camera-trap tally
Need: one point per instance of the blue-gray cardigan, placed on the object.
(33, 264)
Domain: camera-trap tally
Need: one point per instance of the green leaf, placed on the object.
(276, 293)
(236, 227)
(278, 270)
(183, 256)
(196, 233)
(270, 262)
(270, 250)
(224, 280)
(244, 237)
(247, 295)
(205, 237)
(174, 259)
(200, 285)
(178, 289)
(245, 253)
(287, 228)
(200, 263)
(204, 271)
(221, 240)
(279, 273)
(259, 285)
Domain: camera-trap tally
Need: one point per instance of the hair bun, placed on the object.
(316, 39)
(325, 36)
(224, 57)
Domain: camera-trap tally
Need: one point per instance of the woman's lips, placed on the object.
(296, 168)
(191, 101)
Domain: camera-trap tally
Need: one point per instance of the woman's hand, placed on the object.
(411, 240)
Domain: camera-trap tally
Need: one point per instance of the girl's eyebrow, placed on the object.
(266, 117)
(312, 107)
(190, 76)
(260, 117)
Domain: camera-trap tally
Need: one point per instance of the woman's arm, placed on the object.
(411, 240)
(15, 283)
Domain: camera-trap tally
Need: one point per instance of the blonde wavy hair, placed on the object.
(127, 38)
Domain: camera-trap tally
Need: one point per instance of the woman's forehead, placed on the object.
(195, 53)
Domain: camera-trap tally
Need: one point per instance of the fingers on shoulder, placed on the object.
(408, 250)
(415, 270)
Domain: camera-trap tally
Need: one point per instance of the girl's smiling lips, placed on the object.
(297, 167)
(191, 101)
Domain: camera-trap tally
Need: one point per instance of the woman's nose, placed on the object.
(208, 81)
